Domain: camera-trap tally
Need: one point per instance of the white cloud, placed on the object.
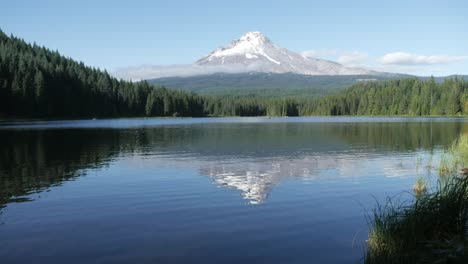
(404, 58)
(352, 58)
(419, 70)
(396, 62)
(318, 53)
(348, 58)
(143, 72)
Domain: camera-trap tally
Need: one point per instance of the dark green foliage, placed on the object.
(412, 96)
(267, 85)
(396, 97)
(274, 85)
(37, 82)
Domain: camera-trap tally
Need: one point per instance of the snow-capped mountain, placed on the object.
(255, 52)
(252, 53)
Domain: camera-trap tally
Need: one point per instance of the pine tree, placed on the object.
(40, 92)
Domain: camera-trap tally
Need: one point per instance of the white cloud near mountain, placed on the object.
(404, 58)
(254, 52)
(318, 53)
(348, 58)
(352, 58)
(142, 72)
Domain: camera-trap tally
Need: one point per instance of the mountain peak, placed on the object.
(254, 52)
(254, 37)
(249, 47)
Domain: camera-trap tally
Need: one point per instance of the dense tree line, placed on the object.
(250, 106)
(395, 97)
(37, 82)
(410, 96)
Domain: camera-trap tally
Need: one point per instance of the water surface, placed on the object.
(207, 190)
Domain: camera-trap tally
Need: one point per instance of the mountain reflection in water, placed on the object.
(250, 157)
(209, 190)
(255, 180)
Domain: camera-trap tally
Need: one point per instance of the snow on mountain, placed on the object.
(253, 52)
(250, 46)
(257, 53)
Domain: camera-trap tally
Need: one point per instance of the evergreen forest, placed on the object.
(36, 82)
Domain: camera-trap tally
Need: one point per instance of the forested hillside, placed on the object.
(37, 82)
(397, 97)
(275, 85)
(267, 85)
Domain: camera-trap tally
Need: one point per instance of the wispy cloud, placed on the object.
(318, 53)
(420, 70)
(348, 58)
(352, 58)
(142, 72)
(396, 62)
(404, 58)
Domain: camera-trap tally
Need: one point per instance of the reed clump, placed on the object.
(432, 227)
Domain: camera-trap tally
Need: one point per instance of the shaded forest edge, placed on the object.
(36, 82)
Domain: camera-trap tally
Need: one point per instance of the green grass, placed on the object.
(455, 158)
(432, 227)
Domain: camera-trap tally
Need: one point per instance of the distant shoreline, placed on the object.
(26, 119)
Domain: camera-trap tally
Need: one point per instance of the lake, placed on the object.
(207, 190)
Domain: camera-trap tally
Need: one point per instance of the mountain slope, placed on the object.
(254, 65)
(251, 53)
(276, 84)
(256, 53)
(266, 84)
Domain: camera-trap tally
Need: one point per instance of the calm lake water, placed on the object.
(208, 190)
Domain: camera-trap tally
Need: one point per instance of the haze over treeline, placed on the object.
(38, 82)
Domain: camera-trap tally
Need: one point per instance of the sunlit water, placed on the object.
(213, 190)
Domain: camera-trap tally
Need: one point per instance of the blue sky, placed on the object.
(417, 37)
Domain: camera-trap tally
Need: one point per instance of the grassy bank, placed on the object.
(431, 229)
